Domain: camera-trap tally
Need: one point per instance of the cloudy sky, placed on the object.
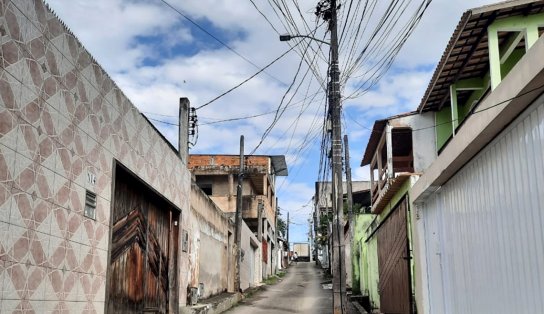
(157, 55)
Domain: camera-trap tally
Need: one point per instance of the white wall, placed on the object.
(484, 228)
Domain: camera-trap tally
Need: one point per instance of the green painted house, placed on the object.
(456, 186)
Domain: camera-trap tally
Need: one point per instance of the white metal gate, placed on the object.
(484, 229)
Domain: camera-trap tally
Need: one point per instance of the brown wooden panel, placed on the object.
(141, 274)
(394, 263)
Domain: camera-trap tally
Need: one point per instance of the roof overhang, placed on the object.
(279, 165)
(389, 191)
(466, 55)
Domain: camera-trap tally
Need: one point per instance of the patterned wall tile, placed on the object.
(2, 272)
(5, 245)
(54, 285)
(57, 252)
(6, 199)
(10, 306)
(63, 119)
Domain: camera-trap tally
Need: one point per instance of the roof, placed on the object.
(280, 165)
(376, 135)
(466, 55)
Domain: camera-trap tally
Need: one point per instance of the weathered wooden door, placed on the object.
(143, 250)
(394, 263)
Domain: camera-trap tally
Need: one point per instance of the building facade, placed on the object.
(82, 174)
(478, 207)
(217, 176)
(398, 150)
(456, 184)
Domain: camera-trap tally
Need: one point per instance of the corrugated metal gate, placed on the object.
(394, 263)
(484, 229)
(143, 249)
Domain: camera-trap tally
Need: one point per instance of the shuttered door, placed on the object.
(141, 250)
(394, 263)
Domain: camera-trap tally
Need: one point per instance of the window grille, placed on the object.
(90, 205)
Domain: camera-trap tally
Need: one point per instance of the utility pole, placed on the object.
(183, 131)
(311, 237)
(288, 246)
(276, 237)
(349, 187)
(238, 218)
(339, 262)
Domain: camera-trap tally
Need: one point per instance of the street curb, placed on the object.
(359, 308)
(214, 306)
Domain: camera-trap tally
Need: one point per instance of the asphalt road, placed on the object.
(300, 291)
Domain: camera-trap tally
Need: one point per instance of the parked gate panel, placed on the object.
(394, 263)
(141, 251)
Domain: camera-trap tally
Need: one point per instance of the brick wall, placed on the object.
(226, 160)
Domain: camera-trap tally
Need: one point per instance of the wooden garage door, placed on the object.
(394, 263)
(143, 249)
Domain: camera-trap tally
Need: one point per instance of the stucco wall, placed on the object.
(209, 258)
(247, 265)
(63, 121)
(423, 138)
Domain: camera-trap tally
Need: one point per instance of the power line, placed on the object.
(249, 78)
(217, 39)
(456, 120)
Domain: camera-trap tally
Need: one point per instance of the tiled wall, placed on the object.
(62, 123)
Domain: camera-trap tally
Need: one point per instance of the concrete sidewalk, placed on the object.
(213, 305)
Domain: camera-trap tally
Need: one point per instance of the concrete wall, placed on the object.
(359, 257)
(423, 140)
(63, 122)
(209, 259)
(250, 269)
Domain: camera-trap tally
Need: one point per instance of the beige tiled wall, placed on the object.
(62, 119)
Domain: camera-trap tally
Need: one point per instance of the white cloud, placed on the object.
(112, 31)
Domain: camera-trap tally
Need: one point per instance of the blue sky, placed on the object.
(156, 56)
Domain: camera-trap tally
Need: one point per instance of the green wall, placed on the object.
(365, 249)
(443, 126)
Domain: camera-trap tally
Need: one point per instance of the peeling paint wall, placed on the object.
(423, 139)
(250, 270)
(208, 258)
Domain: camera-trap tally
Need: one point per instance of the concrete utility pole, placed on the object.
(339, 263)
(183, 131)
(276, 236)
(288, 247)
(349, 187)
(238, 218)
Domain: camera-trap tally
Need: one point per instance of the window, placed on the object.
(90, 205)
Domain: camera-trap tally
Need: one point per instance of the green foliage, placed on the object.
(282, 226)
(322, 236)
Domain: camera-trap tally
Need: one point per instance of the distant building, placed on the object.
(217, 176)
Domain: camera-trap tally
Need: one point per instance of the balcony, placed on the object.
(251, 204)
(392, 164)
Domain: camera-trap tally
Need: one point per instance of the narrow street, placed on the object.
(300, 291)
